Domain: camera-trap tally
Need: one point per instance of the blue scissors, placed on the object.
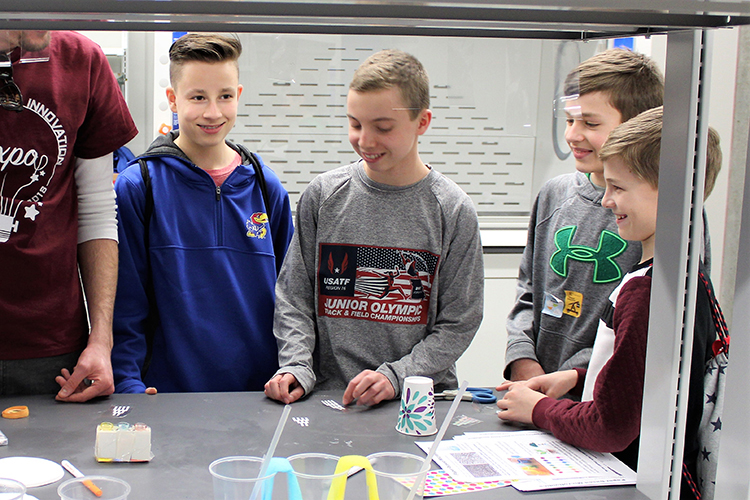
(473, 394)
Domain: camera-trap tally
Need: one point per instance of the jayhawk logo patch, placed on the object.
(257, 226)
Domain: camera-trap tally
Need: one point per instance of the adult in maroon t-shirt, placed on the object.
(57, 216)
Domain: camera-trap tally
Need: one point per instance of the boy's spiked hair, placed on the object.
(202, 47)
(632, 82)
(638, 143)
(394, 68)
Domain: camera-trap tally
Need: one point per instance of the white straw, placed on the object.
(272, 447)
(438, 438)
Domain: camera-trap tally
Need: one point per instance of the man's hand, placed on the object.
(91, 377)
(284, 388)
(369, 388)
(524, 369)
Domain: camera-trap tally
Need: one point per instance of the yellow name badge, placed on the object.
(573, 303)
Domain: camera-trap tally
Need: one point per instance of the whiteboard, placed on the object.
(484, 96)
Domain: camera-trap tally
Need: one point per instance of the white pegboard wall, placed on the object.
(293, 110)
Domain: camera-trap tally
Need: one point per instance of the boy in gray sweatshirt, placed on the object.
(574, 257)
(384, 275)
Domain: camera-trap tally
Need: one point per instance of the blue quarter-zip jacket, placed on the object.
(214, 258)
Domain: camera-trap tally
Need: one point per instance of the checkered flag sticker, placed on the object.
(302, 421)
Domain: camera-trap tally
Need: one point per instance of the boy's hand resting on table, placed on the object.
(519, 402)
(284, 388)
(369, 388)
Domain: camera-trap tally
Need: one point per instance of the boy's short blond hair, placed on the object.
(202, 47)
(638, 143)
(394, 68)
(632, 82)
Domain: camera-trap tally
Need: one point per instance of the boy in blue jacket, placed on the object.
(203, 231)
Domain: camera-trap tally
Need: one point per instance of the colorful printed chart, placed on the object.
(440, 483)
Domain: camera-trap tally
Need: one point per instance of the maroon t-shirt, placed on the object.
(73, 107)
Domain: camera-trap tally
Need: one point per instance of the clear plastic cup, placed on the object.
(396, 473)
(236, 478)
(10, 489)
(315, 473)
(79, 488)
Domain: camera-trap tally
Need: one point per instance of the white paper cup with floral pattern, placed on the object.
(416, 415)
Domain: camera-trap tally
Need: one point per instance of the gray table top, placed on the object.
(189, 431)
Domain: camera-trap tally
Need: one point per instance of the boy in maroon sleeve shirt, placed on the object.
(610, 420)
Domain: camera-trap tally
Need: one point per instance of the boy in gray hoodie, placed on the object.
(384, 275)
(574, 257)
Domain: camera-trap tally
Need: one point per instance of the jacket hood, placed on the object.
(587, 189)
(164, 145)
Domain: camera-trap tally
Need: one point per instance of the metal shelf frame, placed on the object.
(571, 20)
(688, 24)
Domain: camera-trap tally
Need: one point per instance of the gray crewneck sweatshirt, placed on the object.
(379, 277)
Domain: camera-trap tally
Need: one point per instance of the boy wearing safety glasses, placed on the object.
(574, 257)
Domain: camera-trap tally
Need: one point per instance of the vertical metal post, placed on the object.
(736, 146)
(677, 251)
(733, 474)
(140, 88)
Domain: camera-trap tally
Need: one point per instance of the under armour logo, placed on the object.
(606, 269)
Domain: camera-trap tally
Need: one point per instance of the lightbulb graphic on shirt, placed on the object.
(10, 204)
(7, 226)
(25, 173)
